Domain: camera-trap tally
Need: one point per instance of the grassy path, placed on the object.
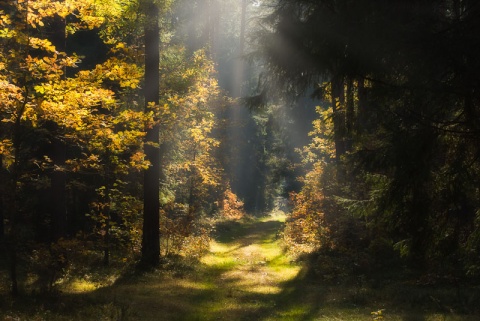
(242, 278)
(248, 269)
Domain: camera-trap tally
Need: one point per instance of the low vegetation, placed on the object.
(247, 275)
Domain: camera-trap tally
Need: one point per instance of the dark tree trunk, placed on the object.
(2, 187)
(151, 187)
(350, 115)
(58, 198)
(2, 226)
(58, 189)
(362, 106)
(338, 102)
(339, 125)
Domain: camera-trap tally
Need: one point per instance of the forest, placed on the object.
(239, 160)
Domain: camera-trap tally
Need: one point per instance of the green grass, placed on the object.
(245, 276)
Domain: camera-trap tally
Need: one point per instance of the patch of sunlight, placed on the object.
(276, 215)
(286, 273)
(189, 284)
(264, 289)
(216, 247)
(82, 286)
(294, 313)
(219, 262)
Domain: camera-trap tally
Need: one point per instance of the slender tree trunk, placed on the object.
(106, 250)
(338, 103)
(243, 25)
(106, 209)
(350, 115)
(239, 64)
(13, 270)
(13, 235)
(2, 224)
(2, 187)
(58, 192)
(58, 189)
(339, 125)
(215, 29)
(362, 106)
(151, 187)
(191, 196)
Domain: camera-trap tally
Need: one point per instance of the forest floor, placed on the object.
(245, 276)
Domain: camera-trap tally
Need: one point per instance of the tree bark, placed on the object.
(362, 106)
(239, 64)
(58, 189)
(151, 187)
(243, 25)
(350, 115)
(338, 102)
(58, 192)
(2, 186)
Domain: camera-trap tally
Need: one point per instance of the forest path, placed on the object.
(248, 268)
(245, 276)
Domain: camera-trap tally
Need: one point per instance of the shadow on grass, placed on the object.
(247, 232)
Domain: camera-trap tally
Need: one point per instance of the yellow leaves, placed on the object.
(128, 75)
(5, 22)
(321, 145)
(4, 19)
(7, 33)
(6, 150)
(36, 12)
(137, 161)
(45, 68)
(39, 89)
(34, 89)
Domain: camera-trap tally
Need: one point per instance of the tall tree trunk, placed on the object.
(191, 195)
(350, 114)
(3, 179)
(239, 64)
(339, 125)
(214, 41)
(13, 235)
(151, 186)
(362, 106)
(338, 103)
(58, 189)
(243, 26)
(58, 192)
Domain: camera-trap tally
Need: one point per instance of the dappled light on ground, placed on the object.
(255, 263)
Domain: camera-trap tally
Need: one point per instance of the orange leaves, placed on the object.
(232, 207)
(306, 228)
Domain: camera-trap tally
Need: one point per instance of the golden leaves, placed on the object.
(84, 10)
(117, 70)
